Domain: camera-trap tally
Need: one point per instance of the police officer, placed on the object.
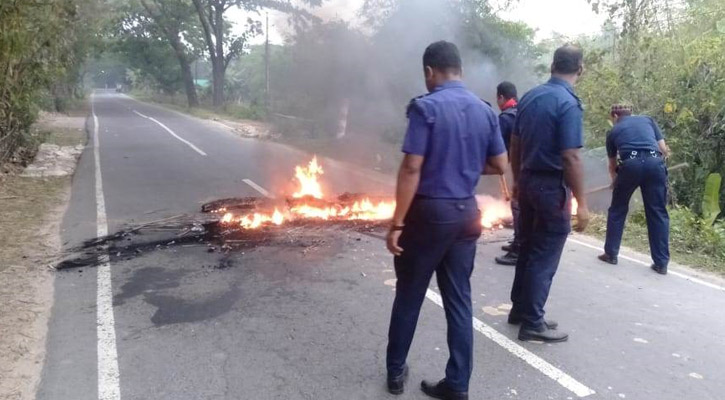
(507, 99)
(452, 138)
(641, 148)
(545, 161)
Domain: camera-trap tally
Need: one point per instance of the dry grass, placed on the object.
(31, 210)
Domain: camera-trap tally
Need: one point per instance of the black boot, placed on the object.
(658, 269)
(509, 259)
(516, 319)
(396, 385)
(441, 390)
(608, 259)
(543, 334)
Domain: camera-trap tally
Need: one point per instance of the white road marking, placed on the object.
(671, 272)
(258, 188)
(530, 358)
(188, 143)
(108, 376)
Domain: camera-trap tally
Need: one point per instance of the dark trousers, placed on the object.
(516, 212)
(650, 175)
(545, 208)
(440, 236)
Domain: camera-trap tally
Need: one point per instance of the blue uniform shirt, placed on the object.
(636, 132)
(506, 121)
(549, 121)
(455, 132)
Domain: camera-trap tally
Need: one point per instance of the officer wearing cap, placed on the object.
(452, 138)
(545, 161)
(507, 100)
(641, 148)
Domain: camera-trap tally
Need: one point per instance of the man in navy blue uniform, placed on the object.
(641, 148)
(545, 161)
(507, 99)
(452, 138)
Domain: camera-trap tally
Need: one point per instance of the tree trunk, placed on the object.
(189, 86)
(218, 82)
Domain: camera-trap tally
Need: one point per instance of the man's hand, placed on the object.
(392, 242)
(582, 218)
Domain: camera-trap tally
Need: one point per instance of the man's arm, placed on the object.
(496, 165)
(613, 168)
(408, 180)
(574, 177)
(664, 149)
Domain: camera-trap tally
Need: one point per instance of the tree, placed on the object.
(171, 20)
(222, 47)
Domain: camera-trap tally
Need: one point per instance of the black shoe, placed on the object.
(660, 270)
(608, 259)
(397, 385)
(511, 247)
(543, 334)
(509, 259)
(515, 319)
(441, 390)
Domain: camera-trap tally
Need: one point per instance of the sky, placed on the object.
(567, 17)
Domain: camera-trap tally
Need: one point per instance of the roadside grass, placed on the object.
(27, 201)
(692, 242)
(206, 111)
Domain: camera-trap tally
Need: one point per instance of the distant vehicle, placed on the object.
(119, 88)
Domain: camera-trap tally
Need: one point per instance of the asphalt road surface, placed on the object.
(310, 322)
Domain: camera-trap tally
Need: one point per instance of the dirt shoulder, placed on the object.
(32, 207)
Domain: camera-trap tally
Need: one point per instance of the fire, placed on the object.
(574, 206)
(310, 203)
(256, 220)
(493, 211)
(307, 178)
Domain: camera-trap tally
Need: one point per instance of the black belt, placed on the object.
(631, 154)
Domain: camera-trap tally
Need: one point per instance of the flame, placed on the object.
(574, 206)
(494, 212)
(360, 210)
(307, 178)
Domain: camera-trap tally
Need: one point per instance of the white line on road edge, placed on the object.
(258, 188)
(675, 273)
(188, 143)
(108, 375)
(530, 358)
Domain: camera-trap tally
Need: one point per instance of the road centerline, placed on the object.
(559, 376)
(108, 373)
(258, 188)
(186, 142)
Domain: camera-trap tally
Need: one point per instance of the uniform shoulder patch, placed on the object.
(422, 107)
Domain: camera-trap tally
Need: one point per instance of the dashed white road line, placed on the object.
(108, 376)
(258, 188)
(671, 272)
(188, 143)
(563, 379)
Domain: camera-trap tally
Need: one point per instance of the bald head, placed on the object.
(568, 60)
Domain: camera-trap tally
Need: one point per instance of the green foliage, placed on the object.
(42, 48)
(711, 198)
(668, 63)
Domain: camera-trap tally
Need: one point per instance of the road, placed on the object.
(280, 322)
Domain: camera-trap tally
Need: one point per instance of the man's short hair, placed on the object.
(567, 59)
(621, 110)
(442, 56)
(507, 90)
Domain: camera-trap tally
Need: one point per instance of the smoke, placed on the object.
(365, 69)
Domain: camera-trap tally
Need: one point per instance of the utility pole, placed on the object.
(266, 67)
